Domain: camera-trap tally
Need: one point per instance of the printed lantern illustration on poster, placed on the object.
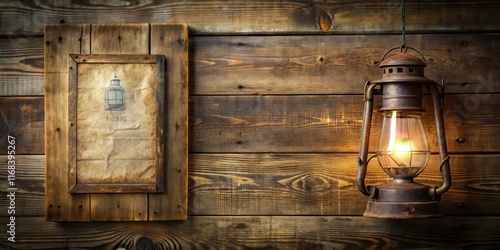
(114, 96)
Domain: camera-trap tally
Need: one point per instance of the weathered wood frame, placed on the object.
(159, 86)
(62, 40)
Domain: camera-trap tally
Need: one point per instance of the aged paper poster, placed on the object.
(115, 113)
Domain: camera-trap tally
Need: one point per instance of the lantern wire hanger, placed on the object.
(403, 28)
(404, 47)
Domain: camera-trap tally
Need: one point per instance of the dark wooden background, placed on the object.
(275, 108)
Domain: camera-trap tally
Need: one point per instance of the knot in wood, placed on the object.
(325, 21)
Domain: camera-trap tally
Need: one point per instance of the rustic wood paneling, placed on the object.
(22, 118)
(27, 18)
(59, 205)
(284, 184)
(119, 39)
(323, 184)
(311, 59)
(256, 65)
(30, 184)
(261, 232)
(119, 207)
(324, 123)
(302, 123)
(260, 65)
(21, 66)
(172, 41)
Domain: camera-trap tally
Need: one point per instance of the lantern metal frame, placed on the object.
(402, 91)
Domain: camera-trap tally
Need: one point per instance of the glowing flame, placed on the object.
(398, 145)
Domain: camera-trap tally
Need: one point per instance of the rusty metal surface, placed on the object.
(401, 86)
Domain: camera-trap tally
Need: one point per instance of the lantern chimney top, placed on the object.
(403, 68)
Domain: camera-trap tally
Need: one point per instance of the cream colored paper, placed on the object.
(116, 146)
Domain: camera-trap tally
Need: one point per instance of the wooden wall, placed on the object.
(275, 117)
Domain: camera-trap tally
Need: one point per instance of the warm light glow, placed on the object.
(400, 146)
(403, 150)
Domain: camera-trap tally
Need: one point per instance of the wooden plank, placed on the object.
(260, 232)
(21, 85)
(323, 184)
(242, 65)
(59, 206)
(30, 184)
(172, 41)
(300, 123)
(327, 123)
(119, 39)
(469, 184)
(119, 207)
(284, 184)
(22, 118)
(249, 65)
(58, 45)
(21, 66)
(239, 17)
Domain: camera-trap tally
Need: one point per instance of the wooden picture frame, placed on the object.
(116, 113)
(65, 194)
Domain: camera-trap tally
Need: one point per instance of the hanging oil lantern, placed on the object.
(403, 148)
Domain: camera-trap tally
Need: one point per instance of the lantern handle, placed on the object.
(441, 92)
(444, 168)
(403, 48)
(365, 139)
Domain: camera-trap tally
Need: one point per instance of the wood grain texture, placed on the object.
(30, 184)
(284, 184)
(259, 65)
(133, 39)
(21, 66)
(22, 118)
(26, 18)
(327, 123)
(59, 43)
(119, 39)
(261, 232)
(260, 184)
(172, 41)
(119, 207)
(323, 184)
(308, 123)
